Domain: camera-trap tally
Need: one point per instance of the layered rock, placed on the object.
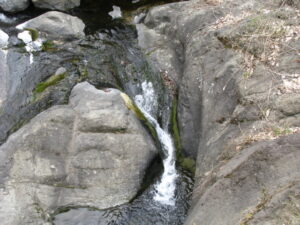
(14, 5)
(17, 84)
(238, 86)
(62, 5)
(259, 186)
(92, 152)
(18, 81)
(56, 25)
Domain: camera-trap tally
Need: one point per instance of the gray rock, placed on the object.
(60, 70)
(14, 5)
(92, 152)
(17, 84)
(56, 25)
(259, 186)
(62, 5)
(3, 79)
(3, 39)
(19, 81)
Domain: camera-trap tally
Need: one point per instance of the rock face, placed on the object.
(56, 25)
(236, 97)
(3, 39)
(62, 5)
(259, 186)
(92, 152)
(3, 91)
(14, 5)
(91, 60)
(18, 82)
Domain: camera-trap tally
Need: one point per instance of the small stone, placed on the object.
(60, 70)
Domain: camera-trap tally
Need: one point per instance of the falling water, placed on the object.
(165, 189)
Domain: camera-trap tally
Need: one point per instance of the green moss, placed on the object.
(188, 164)
(49, 82)
(83, 74)
(139, 114)
(21, 45)
(175, 129)
(247, 75)
(33, 33)
(48, 46)
(279, 131)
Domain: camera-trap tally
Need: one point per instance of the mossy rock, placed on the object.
(48, 46)
(139, 114)
(49, 82)
(188, 164)
(33, 33)
(175, 129)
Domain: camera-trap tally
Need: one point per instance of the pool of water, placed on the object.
(143, 210)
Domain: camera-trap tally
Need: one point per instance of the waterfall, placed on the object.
(165, 188)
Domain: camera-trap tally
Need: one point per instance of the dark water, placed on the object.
(141, 211)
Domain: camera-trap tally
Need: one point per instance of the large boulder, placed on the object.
(62, 5)
(92, 152)
(56, 25)
(14, 5)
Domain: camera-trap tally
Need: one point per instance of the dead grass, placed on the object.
(259, 38)
(269, 133)
(263, 202)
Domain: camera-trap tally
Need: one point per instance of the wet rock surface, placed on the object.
(92, 152)
(102, 59)
(143, 210)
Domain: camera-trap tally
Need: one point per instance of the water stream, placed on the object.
(165, 188)
(164, 202)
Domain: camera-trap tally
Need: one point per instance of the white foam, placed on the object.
(116, 12)
(165, 189)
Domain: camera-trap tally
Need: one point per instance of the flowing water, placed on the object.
(165, 189)
(165, 197)
(143, 210)
(164, 202)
